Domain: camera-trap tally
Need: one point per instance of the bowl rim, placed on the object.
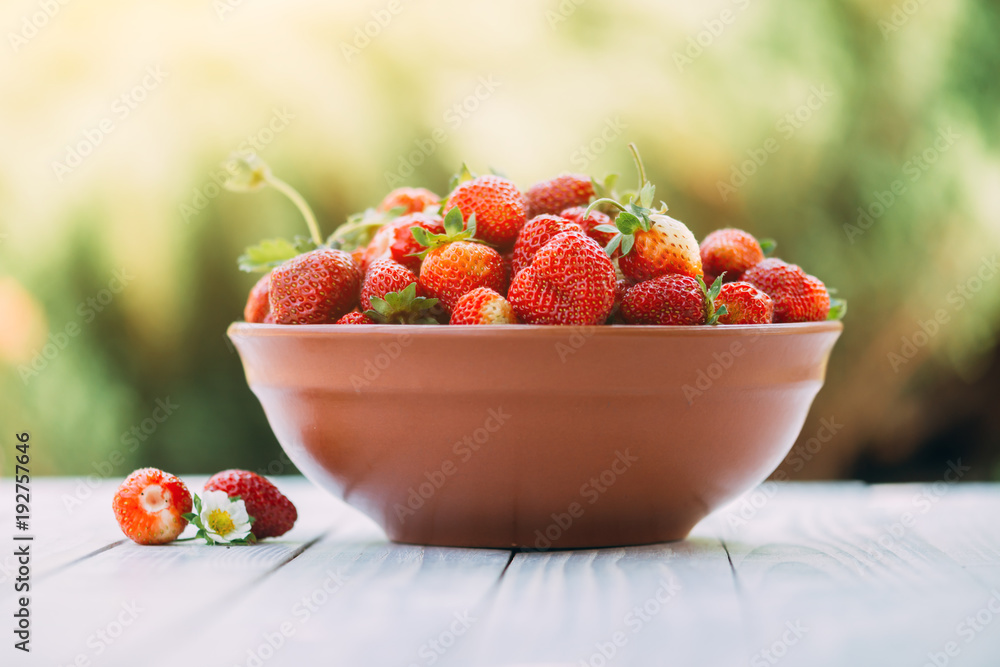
(247, 330)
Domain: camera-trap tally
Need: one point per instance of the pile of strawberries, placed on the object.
(567, 251)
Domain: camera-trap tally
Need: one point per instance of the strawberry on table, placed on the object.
(258, 308)
(569, 281)
(496, 203)
(454, 263)
(411, 200)
(317, 287)
(273, 513)
(559, 193)
(483, 306)
(150, 505)
(652, 243)
(673, 299)
(729, 251)
(536, 233)
(745, 304)
(797, 296)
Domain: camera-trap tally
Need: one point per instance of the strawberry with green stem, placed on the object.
(652, 243)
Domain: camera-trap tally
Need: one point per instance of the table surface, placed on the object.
(791, 574)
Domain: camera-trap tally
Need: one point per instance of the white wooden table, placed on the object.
(793, 574)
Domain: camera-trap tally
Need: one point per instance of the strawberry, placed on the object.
(150, 505)
(273, 513)
(652, 243)
(258, 308)
(569, 281)
(483, 306)
(745, 304)
(590, 224)
(497, 205)
(411, 200)
(384, 276)
(404, 248)
(556, 194)
(729, 251)
(673, 299)
(314, 288)
(454, 265)
(536, 233)
(354, 317)
(622, 287)
(797, 296)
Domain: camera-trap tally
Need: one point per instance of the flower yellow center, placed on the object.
(220, 522)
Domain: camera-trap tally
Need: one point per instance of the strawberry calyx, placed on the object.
(464, 174)
(712, 314)
(402, 307)
(633, 215)
(456, 228)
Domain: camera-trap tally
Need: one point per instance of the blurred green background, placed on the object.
(863, 135)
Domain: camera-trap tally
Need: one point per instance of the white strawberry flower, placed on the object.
(221, 519)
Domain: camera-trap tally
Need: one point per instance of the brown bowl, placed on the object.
(531, 436)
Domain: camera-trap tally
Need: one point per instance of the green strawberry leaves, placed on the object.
(456, 228)
(838, 309)
(403, 307)
(464, 174)
(768, 246)
(712, 314)
(359, 228)
(271, 252)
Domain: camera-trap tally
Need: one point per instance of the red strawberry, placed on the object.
(622, 287)
(732, 251)
(497, 204)
(745, 304)
(537, 232)
(404, 248)
(273, 513)
(483, 306)
(384, 276)
(258, 308)
(797, 296)
(150, 505)
(411, 200)
(354, 317)
(569, 281)
(453, 265)
(673, 299)
(590, 224)
(556, 194)
(315, 288)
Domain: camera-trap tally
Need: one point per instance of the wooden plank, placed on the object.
(661, 604)
(830, 575)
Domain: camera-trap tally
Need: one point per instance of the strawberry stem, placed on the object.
(300, 203)
(638, 165)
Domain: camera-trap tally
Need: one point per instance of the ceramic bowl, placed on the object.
(536, 437)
